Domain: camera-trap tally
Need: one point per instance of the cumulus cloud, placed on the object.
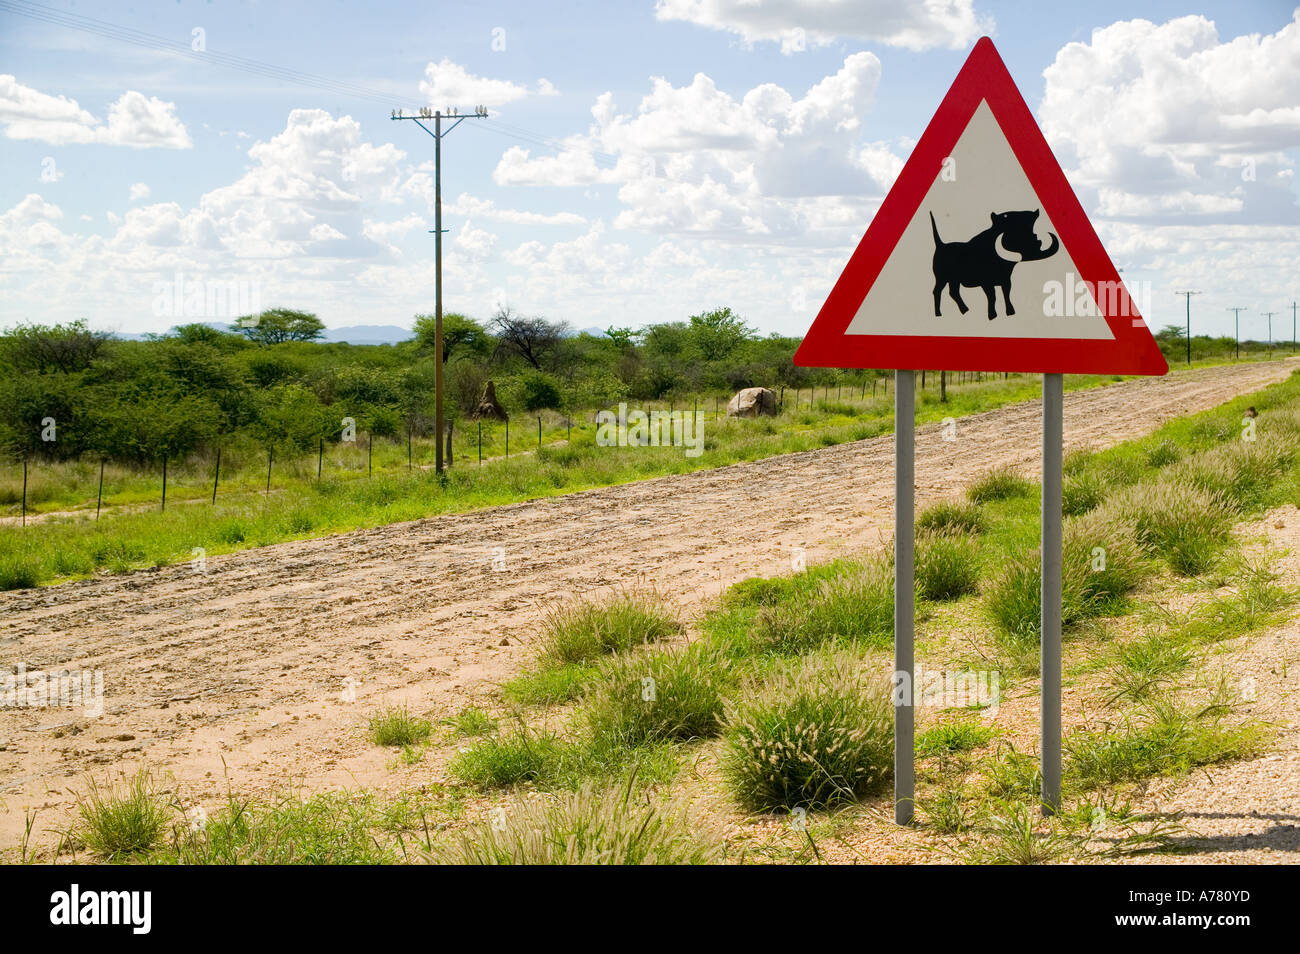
(450, 84)
(135, 120)
(1166, 121)
(798, 24)
(768, 166)
(469, 205)
(139, 191)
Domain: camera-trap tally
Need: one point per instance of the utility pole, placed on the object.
(1236, 327)
(437, 132)
(1269, 315)
(1188, 295)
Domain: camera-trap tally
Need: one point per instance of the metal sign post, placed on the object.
(1050, 648)
(904, 590)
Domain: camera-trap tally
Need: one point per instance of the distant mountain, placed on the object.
(369, 334)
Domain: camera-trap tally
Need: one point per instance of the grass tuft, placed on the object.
(123, 820)
(952, 516)
(817, 733)
(395, 725)
(586, 629)
(1000, 483)
(585, 828)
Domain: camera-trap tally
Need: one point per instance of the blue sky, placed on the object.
(643, 160)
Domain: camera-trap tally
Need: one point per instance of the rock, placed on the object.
(504, 642)
(752, 402)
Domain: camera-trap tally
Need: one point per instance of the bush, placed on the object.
(947, 568)
(951, 516)
(585, 629)
(856, 605)
(669, 696)
(539, 391)
(586, 828)
(1000, 483)
(818, 732)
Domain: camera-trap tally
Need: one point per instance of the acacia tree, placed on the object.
(534, 339)
(279, 325)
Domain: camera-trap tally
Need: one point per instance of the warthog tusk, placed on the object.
(1002, 252)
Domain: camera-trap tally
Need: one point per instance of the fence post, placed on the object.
(408, 446)
(270, 454)
(99, 498)
(539, 432)
(216, 475)
(320, 458)
(24, 491)
(480, 442)
(164, 496)
(507, 438)
(451, 425)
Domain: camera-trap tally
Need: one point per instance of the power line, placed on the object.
(437, 132)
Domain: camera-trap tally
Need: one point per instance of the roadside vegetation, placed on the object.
(762, 730)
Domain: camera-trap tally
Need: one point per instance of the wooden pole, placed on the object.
(99, 497)
(164, 495)
(216, 475)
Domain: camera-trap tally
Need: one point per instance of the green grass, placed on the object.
(123, 820)
(1168, 738)
(854, 605)
(672, 695)
(472, 721)
(946, 567)
(952, 516)
(1144, 666)
(952, 737)
(511, 757)
(585, 629)
(817, 732)
(549, 685)
(586, 827)
(329, 828)
(395, 725)
(1000, 483)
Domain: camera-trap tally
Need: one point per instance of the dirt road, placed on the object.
(263, 668)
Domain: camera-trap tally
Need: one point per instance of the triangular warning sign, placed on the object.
(981, 258)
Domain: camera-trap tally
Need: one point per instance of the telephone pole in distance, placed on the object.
(1236, 327)
(437, 132)
(1188, 295)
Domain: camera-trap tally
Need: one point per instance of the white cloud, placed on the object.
(468, 205)
(1166, 120)
(797, 24)
(450, 84)
(133, 120)
(139, 191)
(767, 167)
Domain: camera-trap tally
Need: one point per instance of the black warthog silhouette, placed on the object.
(987, 259)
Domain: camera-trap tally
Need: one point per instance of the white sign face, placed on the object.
(992, 234)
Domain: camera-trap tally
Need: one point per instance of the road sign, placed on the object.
(981, 257)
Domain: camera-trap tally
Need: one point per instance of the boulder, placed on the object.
(489, 407)
(752, 402)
